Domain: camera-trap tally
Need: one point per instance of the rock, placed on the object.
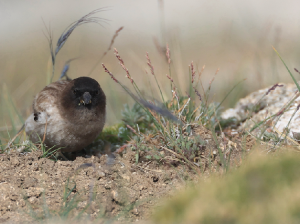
(118, 197)
(100, 174)
(264, 103)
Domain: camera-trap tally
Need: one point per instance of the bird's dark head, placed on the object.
(84, 93)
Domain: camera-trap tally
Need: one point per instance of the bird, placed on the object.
(67, 114)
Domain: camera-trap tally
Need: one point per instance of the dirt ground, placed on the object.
(124, 190)
(27, 181)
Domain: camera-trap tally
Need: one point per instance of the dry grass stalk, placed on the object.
(192, 71)
(185, 102)
(108, 72)
(200, 73)
(169, 78)
(131, 129)
(45, 131)
(113, 40)
(183, 157)
(108, 49)
(211, 81)
(197, 93)
(161, 50)
(172, 101)
(149, 63)
(168, 54)
(14, 138)
(156, 117)
(273, 88)
(123, 66)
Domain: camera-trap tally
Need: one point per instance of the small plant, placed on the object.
(137, 117)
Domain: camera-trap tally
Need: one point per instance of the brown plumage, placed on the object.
(71, 114)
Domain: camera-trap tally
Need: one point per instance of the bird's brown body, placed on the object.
(70, 114)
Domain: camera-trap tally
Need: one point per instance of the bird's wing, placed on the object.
(47, 99)
(45, 110)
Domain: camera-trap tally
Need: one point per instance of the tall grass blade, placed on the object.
(229, 93)
(10, 100)
(295, 81)
(88, 18)
(9, 109)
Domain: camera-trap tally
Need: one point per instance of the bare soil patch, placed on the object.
(29, 181)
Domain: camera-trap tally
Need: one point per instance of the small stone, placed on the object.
(119, 198)
(135, 211)
(114, 195)
(14, 161)
(107, 186)
(126, 177)
(31, 199)
(101, 174)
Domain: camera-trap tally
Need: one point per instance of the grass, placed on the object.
(264, 190)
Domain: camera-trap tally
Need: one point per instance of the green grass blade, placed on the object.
(9, 98)
(295, 81)
(9, 109)
(229, 93)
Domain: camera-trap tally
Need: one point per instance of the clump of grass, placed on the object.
(27, 146)
(137, 117)
(173, 122)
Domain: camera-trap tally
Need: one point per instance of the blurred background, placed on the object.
(234, 36)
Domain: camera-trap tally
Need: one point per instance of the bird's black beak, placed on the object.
(86, 98)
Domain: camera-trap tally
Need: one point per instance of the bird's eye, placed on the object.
(75, 91)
